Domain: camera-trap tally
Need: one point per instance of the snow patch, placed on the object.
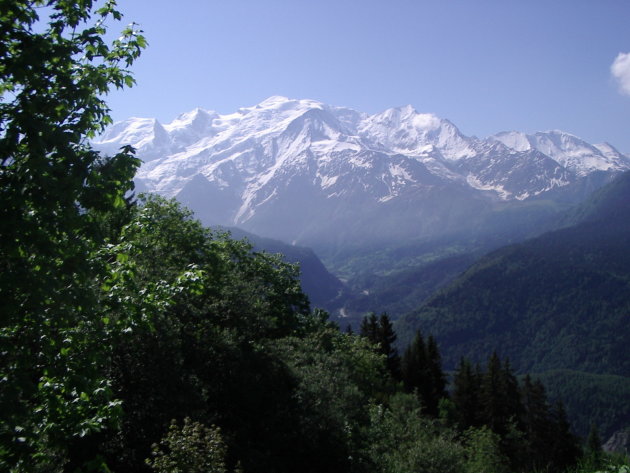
(327, 181)
(400, 173)
(475, 182)
(360, 162)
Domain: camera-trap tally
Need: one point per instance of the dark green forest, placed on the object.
(133, 339)
(557, 305)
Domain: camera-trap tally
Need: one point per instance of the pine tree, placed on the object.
(500, 398)
(369, 327)
(594, 446)
(413, 365)
(537, 425)
(380, 331)
(512, 395)
(491, 399)
(421, 372)
(565, 445)
(436, 388)
(466, 390)
(386, 339)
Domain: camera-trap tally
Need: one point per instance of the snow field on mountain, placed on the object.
(282, 153)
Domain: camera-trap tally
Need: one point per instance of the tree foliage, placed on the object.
(191, 448)
(421, 371)
(127, 328)
(55, 68)
(206, 353)
(483, 451)
(403, 440)
(532, 433)
(380, 331)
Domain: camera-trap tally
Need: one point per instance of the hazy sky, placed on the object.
(486, 65)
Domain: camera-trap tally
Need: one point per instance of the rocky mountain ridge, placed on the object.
(300, 170)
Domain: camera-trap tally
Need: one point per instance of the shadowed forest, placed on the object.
(133, 339)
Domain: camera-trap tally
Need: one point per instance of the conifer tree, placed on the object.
(537, 425)
(413, 364)
(387, 339)
(492, 406)
(437, 380)
(466, 387)
(511, 393)
(421, 372)
(369, 327)
(594, 446)
(500, 398)
(565, 446)
(380, 331)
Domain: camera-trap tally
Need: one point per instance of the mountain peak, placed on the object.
(287, 157)
(196, 117)
(408, 116)
(279, 102)
(274, 100)
(566, 149)
(405, 111)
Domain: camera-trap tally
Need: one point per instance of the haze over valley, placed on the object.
(315, 237)
(385, 200)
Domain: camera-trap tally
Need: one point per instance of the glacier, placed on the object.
(304, 171)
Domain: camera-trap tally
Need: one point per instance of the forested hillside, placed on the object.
(324, 290)
(133, 339)
(560, 301)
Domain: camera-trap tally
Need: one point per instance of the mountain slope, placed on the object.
(324, 290)
(557, 305)
(329, 177)
(559, 301)
(591, 398)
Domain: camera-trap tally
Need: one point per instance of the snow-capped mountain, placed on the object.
(304, 171)
(567, 150)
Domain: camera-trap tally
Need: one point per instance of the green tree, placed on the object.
(536, 424)
(499, 395)
(208, 353)
(380, 331)
(421, 372)
(402, 440)
(338, 375)
(191, 448)
(465, 395)
(437, 379)
(548, 442)
(413, 365)
(501, 406)
(54, 72)
(483, 453)
(566, 447)
(593, 447)
(369, 327)
(387, 340)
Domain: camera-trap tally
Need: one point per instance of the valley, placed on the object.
(396, 212)
(300, 286)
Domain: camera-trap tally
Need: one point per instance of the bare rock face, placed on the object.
(619, 442)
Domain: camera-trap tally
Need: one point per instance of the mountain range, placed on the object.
(401, 207)
(557, 305)
(333, 178)
(558, 286)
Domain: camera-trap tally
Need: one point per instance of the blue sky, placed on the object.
(486, 65)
